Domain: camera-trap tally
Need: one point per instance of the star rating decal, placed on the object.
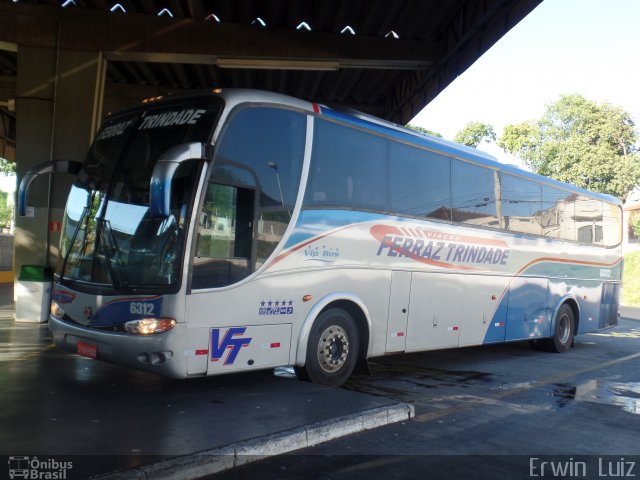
(276, 307)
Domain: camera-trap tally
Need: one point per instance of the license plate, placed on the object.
(87, 350)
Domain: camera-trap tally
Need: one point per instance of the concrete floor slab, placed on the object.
(59, 404)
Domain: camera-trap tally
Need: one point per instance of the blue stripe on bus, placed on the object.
(120, 311)
(498, 325)
(312, 223)
(517, 318)
(566, 270)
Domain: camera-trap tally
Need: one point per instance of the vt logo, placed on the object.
(218, 347)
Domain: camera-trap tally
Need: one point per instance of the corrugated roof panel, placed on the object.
(460, 29)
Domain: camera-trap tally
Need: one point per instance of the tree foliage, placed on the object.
(591, 145)
(6, 211)
(474, 133)
(423, 130)
(634, 223)
(6, 167)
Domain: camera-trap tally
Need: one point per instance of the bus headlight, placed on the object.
(147, 326)
(56, 310)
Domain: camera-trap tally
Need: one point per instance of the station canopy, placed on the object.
(389, 58)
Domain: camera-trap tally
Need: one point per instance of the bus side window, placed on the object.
(419, 182)
(473, 199)
(225, 232)
(348, 168)
(521, 204)
(251, 194)
(557, 214)
(612, 225)
(588, 218)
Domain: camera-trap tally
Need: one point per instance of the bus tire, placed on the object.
(301, 373)
(332, 348)
(563, 331)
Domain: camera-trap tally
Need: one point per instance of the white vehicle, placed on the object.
(343, 237)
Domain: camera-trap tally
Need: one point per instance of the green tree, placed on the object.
(634, 222)
(6, 211)
(6, 167)
(589, 144)
(474, 133)
(423, 130)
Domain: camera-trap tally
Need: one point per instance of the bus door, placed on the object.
(225, 247)
(435, 312)
(399, 297)
(224, 255)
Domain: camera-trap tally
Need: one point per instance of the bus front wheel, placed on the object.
(563, 331)
(332, 349)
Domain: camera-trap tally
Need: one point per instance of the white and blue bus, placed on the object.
(228, 231)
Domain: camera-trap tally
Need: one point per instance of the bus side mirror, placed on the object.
(168, 163)
(54, 166)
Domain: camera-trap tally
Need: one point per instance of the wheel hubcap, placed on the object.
(333, 349)
(564, 330)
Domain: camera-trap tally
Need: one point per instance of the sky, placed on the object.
(7, 184)
(588, 47)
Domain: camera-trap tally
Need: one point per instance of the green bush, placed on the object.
(630, 294)
(6, 212)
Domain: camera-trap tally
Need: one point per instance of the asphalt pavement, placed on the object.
(59, 407)
(498, 412)
(111, 422)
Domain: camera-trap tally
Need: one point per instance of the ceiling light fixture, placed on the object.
(263, 64)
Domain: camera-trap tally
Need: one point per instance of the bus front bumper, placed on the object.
(160, 353)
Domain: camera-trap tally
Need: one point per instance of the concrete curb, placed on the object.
(629, 313)
(201, 464)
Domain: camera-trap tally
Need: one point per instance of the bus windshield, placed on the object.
(109, 236)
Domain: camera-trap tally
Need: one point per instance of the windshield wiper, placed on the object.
(65, 260)
(104, 227)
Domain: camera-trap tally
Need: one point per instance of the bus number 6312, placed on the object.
(140, 308)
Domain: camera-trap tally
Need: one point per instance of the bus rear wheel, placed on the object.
(563, 331)
(332, 349)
